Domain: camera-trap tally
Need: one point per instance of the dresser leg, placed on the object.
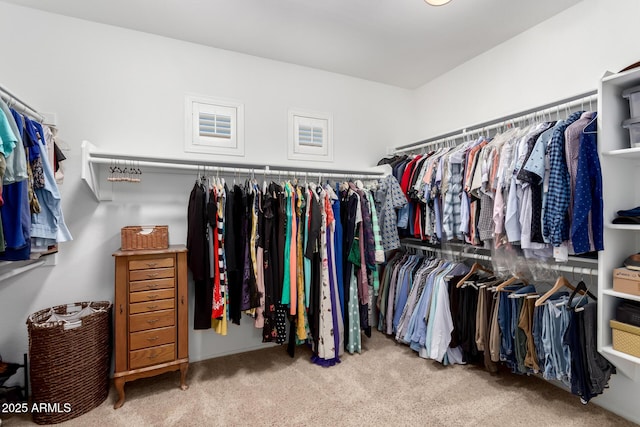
(119, 383)
(183, 376)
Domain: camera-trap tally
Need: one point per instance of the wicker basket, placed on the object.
(70, 361)
(626, 338)
(144, 237)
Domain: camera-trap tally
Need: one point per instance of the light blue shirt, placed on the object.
(16, 161)
(49, 223)
(8, 139)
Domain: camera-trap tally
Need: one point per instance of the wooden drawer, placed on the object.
(151, 295)
(154, 337)
(151, 285)
(151, 274)
(152, 356)
(155, 319)
(144, 264)
(144, 307)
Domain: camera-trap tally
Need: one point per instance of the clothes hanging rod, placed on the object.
(550, 108)
(209, 167)
(14, 102)
(556, 267)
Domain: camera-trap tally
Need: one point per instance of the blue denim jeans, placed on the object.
(558, 356)
(508, 324)
(538, 314)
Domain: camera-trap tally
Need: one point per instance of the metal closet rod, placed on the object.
(546, 109)
(258, 170)
(556, 267)
(23, 107)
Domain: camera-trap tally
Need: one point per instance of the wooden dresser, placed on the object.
(150, 315)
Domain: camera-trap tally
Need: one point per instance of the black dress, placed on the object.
(198, 257)
(234, 251)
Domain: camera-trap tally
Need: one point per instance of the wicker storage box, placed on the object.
(626, 338)
(144, 237)
(70, 353)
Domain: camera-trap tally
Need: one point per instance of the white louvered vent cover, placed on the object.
(214, 126)
(310, 136)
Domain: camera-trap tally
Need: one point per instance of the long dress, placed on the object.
(327, 352)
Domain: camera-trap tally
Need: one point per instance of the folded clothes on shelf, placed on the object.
(626, 220)
(635, 212)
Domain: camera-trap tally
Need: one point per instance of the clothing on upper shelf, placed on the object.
(302, 254)
(536, 187)
(32, 218)
(424, 303)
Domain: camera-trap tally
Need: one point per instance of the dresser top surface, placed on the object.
(170, 250)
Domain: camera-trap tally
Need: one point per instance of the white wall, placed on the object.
(564, 56)
(561, 57)
(124, 91)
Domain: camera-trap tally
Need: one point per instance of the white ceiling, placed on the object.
(404, 43)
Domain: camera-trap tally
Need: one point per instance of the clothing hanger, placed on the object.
(514, 278)
(595, 117)
(583, 290)
(560, 282)
(474, 269)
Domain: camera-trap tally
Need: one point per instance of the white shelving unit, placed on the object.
(620, 175)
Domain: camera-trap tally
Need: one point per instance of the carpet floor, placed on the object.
(385, 385)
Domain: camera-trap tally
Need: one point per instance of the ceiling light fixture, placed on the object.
(437, 2)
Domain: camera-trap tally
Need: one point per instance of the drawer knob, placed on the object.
(152, 339)
(152, 307)
(152, 321)
(152, 286)
(152, 275)
(152, 356)
(152, 264)
(154, 296)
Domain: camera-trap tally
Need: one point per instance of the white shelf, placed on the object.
(626, 363)
(622, 295)
(95, 164)
(622, 80)
(625, 153)
(630, 227)
(9, 269)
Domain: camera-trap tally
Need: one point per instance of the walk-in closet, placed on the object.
(413, 212)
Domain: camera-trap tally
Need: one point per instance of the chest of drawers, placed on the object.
(150, 315)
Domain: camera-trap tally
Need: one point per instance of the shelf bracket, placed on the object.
(90, 174)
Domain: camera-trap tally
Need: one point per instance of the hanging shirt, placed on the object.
(16, 170)
(8, 139)
(389, 198)
(556, 227)
(49, 223)
(572, 148)
(587, 221)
